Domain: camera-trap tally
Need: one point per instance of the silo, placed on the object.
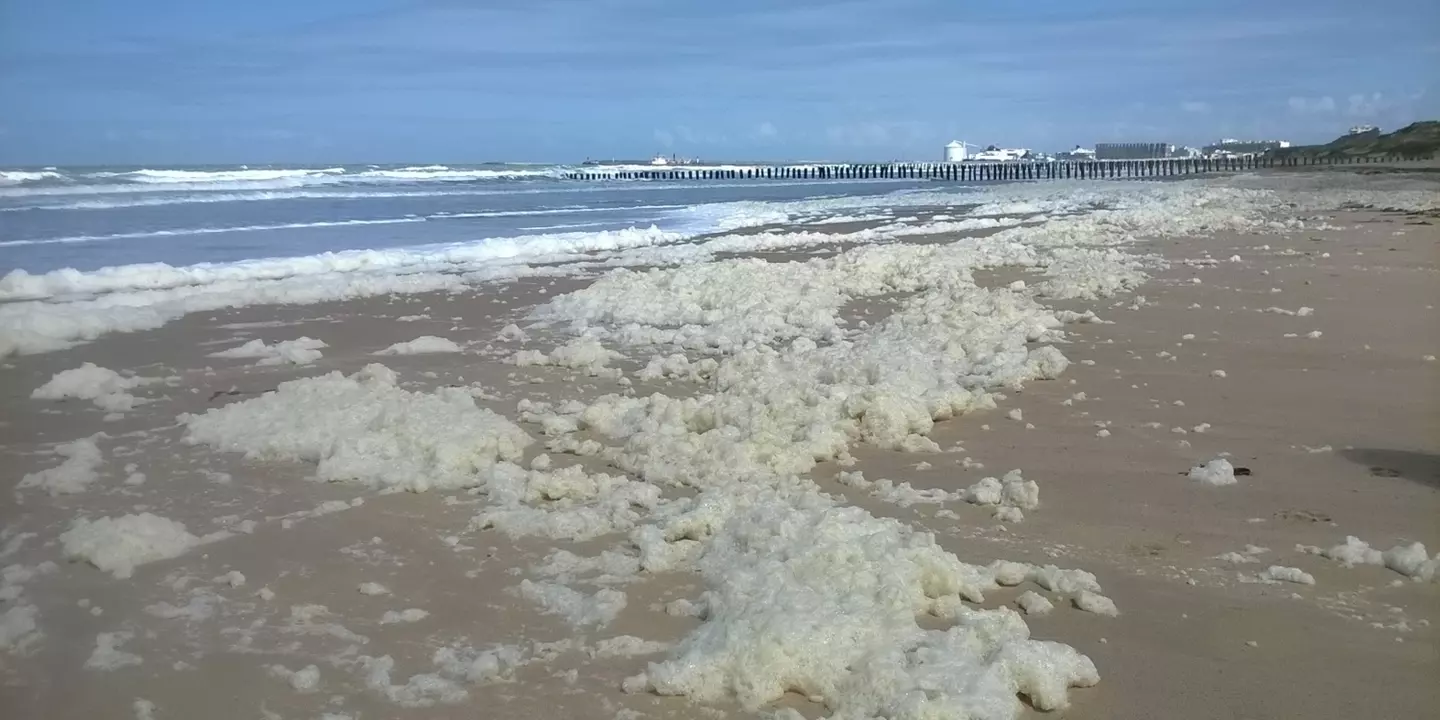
(955, 151)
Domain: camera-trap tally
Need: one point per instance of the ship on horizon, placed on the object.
(659, 160)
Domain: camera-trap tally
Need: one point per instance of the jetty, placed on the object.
(986, 171)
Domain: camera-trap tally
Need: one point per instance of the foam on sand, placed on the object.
(802, 593)
(577, 608)
(146, 296)
(1280, 573)
(19, 627)
(75, 474)
(1408, 560)
(107, 654)
(819, 599)
(106, 388)
(118, 545)
(1033, 603)
(365, 429)
(805, 595)
(1215, 472)
(425, 344)
(300, 351)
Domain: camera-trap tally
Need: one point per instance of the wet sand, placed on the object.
(1192, 640)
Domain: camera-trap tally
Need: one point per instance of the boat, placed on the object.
(657, 161)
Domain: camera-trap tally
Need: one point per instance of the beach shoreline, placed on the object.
(1332, 411)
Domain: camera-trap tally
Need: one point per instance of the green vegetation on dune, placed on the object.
(1420, 139)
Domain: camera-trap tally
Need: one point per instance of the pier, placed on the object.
(983, 171)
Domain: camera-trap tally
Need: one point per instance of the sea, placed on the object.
(89, 218)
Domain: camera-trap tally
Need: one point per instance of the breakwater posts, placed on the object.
(981, 171)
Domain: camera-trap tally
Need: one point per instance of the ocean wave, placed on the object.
(20, 177)
(685, 223)
(443, 173)
(204, 176)
(553, 211)
(202, 231)
(125, 196)
(21, 285)
(54, 181)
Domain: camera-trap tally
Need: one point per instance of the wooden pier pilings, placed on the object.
(977, 171)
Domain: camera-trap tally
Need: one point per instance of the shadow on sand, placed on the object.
(1420, 467)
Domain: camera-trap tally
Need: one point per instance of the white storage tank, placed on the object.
(955, 151)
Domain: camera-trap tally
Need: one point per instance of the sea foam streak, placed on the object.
(21, 183)
(205, 231)
(147, 296)
(693, 221)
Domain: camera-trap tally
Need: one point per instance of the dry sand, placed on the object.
(1192, 639)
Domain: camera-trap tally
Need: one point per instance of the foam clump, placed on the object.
(477, 666)
(118, 545)
(1033, 603)
(74, 474)
(822, 600)
(1280, 573)
(585, 353)
(19, 627)
(408, 615)
(575, 607)
(1215, 472)
(1008, 495)
(106, 388)
(512, 333)
(147, 296)
(365, 429)
(304, 680)
(300, 351)
(565, 503)
(1411, 560)
(678, 366)
(423, 345)
(419, 691)
(903, 494)
(1235, 558)
(107, 654)
(1093, 602)
(627, 646)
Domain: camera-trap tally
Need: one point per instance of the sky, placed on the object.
(89, 82)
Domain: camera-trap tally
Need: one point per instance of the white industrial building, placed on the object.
(1080, 154)
(999, 154)
(955, 152)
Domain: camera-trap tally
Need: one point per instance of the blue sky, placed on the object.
(315, 81)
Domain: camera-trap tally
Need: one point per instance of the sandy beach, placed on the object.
(453, 567)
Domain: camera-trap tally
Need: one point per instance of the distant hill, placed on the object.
(1421, 139)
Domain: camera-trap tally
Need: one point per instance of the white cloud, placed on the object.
(1362, 105)
(1312, 106)
(877, 134)
(1195, 106)
(683, 136)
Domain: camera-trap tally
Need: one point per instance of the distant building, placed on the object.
(1079, 154)
(1362, 129)
(955, 152)
(1230, 147)
(999, 154)
(1133, 151)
